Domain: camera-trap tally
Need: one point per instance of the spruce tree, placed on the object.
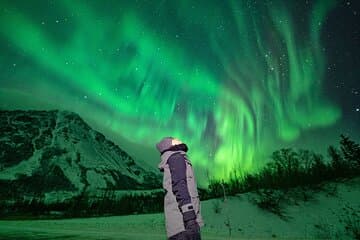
(338, 165)
(351, 152)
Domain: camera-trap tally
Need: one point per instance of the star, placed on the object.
(354, 91)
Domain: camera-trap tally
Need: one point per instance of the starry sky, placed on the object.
(235, 80)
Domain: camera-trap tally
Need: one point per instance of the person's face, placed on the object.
(176, 141)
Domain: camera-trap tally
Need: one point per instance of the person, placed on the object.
(181, 202)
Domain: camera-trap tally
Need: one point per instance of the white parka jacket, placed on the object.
(181, 201)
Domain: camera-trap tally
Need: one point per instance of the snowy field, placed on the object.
(237, 218)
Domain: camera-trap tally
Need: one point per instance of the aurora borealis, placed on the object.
(233, 79)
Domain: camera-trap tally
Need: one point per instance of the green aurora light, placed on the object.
(125, 68)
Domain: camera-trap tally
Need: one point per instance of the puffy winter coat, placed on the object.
(181, 198)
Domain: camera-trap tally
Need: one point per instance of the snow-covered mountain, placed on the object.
(47, 151)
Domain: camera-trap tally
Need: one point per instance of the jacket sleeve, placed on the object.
(177, 167)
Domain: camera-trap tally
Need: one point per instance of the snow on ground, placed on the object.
(317, 218)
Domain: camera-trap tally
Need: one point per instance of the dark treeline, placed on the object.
(288, 169)
(85, 206)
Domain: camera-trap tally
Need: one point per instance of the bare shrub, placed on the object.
(351, 219)
(270, 200)
(216, 206)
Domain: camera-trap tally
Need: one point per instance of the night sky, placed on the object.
(235, 80)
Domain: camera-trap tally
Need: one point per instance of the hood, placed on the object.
(164, 144)
(166, 149)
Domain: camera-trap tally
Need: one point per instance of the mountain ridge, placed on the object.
(44, 151)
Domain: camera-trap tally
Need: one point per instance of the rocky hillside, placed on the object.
(47, 151)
